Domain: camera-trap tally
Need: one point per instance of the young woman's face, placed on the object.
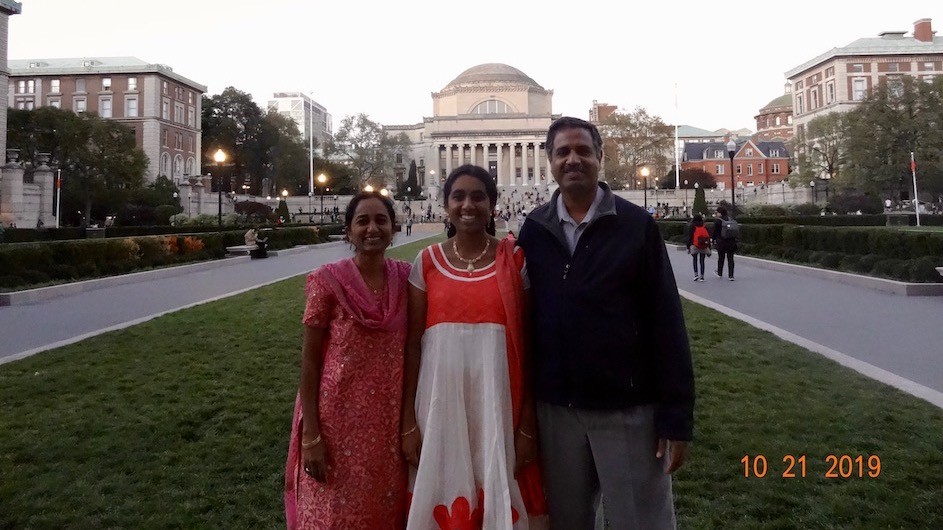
(469, 207)
(371, 229)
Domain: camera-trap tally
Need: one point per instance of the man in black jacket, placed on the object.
(611, 360)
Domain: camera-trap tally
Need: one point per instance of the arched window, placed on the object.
(779, 120)
(165, 164)
(178, 166)
(189, 169)
(492, 106)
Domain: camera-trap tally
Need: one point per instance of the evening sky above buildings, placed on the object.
(385, 59)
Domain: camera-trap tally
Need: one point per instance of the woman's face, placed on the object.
(469, 207)
(371, 229)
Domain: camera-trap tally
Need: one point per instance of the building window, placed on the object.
(178, 112)
(190, 97)
(775, 169)
(749, 152)
(131, 107)
(80, 85)
(178, 141)
(106, 83)
(164, 136)
(31, 87)
(789, 119)
(830, 92)
(719, 169)
(800, 106)
(858, 89)
(79, 105)
(779, 120)
(830, 71)
(165, 164)
(895, 86)
(55, 102)
(719, 154)
(774, 153)
(739, 169)
(54, 86)
(188, 170)
(164, 87)
(893, 67)
(749, 170)
(132, 84)
(759, 169)
(856, 67)
(929, 66)
(104, 107)
(492, 106)
(399, 158)
(21, 86)
(178, 166)
(165, 109)
(191, 117)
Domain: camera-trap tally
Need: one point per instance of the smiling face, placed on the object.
(574, 162)
(469, 207)
(371, 228)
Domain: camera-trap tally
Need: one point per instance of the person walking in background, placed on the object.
(469, 425)
(699, 245)
(613, 376)
(409, 225)
(344, 468)
(725, 235)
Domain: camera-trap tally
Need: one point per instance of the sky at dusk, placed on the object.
(723, 61)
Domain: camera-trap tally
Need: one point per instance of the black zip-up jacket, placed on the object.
(608, 332)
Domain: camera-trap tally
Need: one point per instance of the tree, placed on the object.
(692, 176)
(899, 117)
(99, 160)
(819, 148)
(409, 187)
(368, 149)
(631, 140)
(231, 121)
(700, 202)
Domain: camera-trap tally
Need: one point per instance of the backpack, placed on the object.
(701, 238)
(729, 229)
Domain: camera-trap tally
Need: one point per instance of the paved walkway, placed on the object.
(895, 339)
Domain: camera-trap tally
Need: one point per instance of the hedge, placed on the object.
(876, 251)
(28, 235)
(29, 264)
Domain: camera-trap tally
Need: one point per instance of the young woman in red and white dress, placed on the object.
(469, 424)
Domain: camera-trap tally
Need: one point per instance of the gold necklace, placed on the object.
(470, 262)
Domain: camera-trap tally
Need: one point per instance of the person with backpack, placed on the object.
(726, 236)
(699, 245)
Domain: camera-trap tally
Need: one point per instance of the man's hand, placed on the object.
(677, 451)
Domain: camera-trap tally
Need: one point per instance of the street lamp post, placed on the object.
(645, 172)
(322, 180)
(219, 157)
(685, 198)
(731, 151)
(814, 197)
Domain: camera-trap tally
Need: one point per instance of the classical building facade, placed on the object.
(12, 202)
(159, 105)
(492, 115)
(311, 117)
(840, 78)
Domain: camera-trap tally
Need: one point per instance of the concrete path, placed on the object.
(30, 329)
(895, 339)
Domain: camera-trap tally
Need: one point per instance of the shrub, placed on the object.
(889, 268)
(806, 209)
(832, 260)
(924, 270)
(850, 262)
(771, 210)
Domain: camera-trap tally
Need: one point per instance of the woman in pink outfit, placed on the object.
(345, 469)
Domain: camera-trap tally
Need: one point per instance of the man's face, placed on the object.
(574, 162)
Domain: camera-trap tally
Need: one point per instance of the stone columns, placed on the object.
(11, 191)
(461, 154)
(502, 179)
(448, 160)
(524, 178)
(43, 176)
(474, 154)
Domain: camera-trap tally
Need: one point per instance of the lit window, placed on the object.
(106, 83)
(21, 87)
(132, 84)
(54, 86)
(30, 86)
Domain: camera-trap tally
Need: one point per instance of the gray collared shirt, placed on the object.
(571, 229)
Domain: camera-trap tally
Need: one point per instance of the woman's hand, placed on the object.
(525, 450)
(412, 445)
(314, 460)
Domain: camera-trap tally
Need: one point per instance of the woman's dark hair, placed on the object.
(352, 206)
(697, 220)
(477, 172)
(722, 211)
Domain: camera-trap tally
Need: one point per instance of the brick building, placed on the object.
(774, 121)
(159, 105)
(840, 78)
(756, 163)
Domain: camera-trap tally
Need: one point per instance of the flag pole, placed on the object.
(913, 172)
(58, 194)
(677, 147)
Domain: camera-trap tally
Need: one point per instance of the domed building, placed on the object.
(774, 121)
(492, 115)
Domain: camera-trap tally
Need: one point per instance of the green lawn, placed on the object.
(182, 422)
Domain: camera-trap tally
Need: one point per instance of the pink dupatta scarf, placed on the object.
(351, 292)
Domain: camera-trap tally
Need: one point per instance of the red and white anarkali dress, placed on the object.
(468, 398)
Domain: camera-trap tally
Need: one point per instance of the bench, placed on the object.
(240, 250)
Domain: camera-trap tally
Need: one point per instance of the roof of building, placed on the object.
(689, 131)
(784, 100)
(888, 43)
(95, 65)
(696, 151)
(491, 73)
(11, 8)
